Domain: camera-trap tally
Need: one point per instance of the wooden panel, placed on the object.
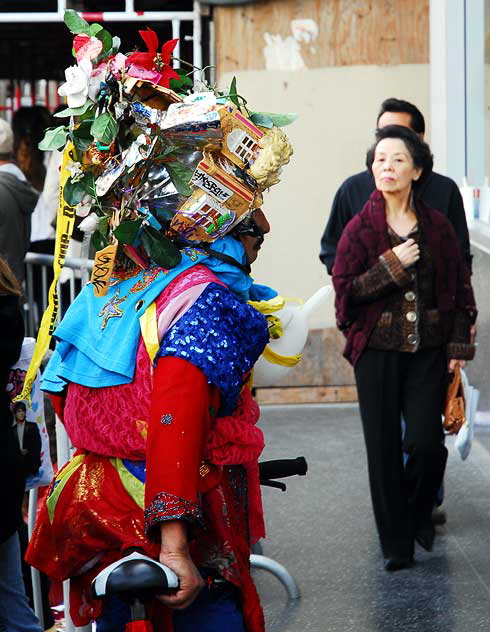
(350, 32)
(306, 395)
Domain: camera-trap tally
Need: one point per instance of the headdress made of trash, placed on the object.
(153, 161)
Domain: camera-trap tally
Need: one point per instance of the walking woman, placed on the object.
(405, 305)
(15, 612)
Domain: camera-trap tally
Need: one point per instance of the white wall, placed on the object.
(337, 110)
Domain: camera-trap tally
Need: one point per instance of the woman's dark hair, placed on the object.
(418, 150)
(29, 124)
(417, 121)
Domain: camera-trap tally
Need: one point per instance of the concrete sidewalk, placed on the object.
(322, 529)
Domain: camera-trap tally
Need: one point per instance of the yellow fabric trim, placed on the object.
(64, 227)
(276, 358)
(275, 326)
(134, 487)
(270, 306)
(60, 481)
(149, 330)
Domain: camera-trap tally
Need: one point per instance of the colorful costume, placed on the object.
(151, 370)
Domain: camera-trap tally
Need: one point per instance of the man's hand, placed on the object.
(174, 553)
(454, 362)
(408, 252)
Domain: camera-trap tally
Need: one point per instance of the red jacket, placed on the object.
(364, 239)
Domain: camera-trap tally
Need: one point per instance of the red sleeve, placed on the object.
(58, 402)
(180, 413)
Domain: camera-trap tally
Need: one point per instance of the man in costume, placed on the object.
(151, 373)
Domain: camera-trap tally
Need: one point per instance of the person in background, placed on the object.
(41, 169)
(437, 191)
(17, 202)
(15, 613)
(405, 305)
(27, 436)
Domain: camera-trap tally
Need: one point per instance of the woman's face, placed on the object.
(393, 167)
(20, 414)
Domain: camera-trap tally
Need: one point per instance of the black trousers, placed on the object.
(391, 384)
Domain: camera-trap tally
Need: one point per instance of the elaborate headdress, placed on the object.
(158, 164)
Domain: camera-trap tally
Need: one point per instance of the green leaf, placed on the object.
(232, 95)
(73, 192)
(82, 136)
(279, 120)
(127, 232)
(258, 118)
(55, 138)
(99, 240)
(180, 84)
(180, 176)
(75, 111)
(163, 251)
(76, 23)
(106, 38)
(95, 28)
(105, 128)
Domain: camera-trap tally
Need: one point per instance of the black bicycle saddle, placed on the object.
(134, 575)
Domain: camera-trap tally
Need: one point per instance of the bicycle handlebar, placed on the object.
(281, 468)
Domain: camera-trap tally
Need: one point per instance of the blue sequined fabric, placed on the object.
(221, 335)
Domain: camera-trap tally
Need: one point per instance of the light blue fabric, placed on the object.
(98, 337)
(15, 613)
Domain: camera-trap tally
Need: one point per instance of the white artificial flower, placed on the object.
(90, 223)
(75, 170)
(76, 87)
(85, 206)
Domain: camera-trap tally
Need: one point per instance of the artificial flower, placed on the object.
(76, 87)
(152, 65)
(87, 47)
(75, 170)
(85, 206)
(89, 224)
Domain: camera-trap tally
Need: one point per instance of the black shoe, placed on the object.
(398, 563)
(425, 537)
(438, 516)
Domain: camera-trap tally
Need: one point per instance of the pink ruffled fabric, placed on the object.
(236, 440)
(113, 421)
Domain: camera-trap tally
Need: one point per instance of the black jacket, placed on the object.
(31, 443)
(11, 472)
(437, 191)
(17, 201)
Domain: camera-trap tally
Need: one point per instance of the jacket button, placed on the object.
(412, 339)
(411, 317)
(410, 296)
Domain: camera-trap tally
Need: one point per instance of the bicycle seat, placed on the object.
(135, 575)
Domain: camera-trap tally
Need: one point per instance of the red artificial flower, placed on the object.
(154, 61)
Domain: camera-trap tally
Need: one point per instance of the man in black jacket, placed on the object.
(437, 191)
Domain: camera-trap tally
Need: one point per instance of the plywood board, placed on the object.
(348, 33)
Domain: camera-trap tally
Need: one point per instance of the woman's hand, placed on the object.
(190, 581)
(408, 252)
(455, 362)
(174, 553)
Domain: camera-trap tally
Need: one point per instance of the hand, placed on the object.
(408, 252)
(174, 553)
(454, 362)
(190, 581)
(473, 333)
(24, 451)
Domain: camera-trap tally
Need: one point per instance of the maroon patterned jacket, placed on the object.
(364, 239)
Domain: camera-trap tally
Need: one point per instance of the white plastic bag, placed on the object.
(464, 438)
(34, 412)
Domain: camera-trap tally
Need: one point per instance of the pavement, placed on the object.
(322, 530)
